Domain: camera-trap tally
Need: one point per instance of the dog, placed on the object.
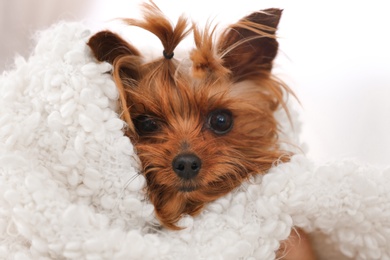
(200, 129)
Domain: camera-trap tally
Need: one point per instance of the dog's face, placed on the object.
(199, 131)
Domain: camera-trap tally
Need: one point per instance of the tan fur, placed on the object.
(231, 72)
(181, 102)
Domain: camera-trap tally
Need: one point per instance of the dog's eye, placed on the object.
(220, 121)
(145, 124)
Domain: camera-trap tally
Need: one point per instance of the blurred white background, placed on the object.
(334, 54)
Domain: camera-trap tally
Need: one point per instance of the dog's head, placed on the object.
(199, 130)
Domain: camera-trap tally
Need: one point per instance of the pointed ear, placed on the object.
(107, 46)
(249, 46)
(110, 47)
(126, 60)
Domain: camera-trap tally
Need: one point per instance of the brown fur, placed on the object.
(231, 72)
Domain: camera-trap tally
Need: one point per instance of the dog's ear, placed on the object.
(126, 60)
(110, 47)
(250, 45)
(107, 46)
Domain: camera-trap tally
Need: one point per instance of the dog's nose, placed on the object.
(186, 166)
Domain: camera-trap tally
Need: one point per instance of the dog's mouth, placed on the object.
(187, 188)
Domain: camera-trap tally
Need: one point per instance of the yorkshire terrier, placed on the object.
(202, 129)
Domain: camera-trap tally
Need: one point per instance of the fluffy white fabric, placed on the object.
(69, 186)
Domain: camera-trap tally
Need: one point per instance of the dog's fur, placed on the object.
(199, 130)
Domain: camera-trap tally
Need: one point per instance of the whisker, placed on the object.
(126, 184)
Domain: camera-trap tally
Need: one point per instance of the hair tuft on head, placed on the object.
(156, 22)
(205, 61)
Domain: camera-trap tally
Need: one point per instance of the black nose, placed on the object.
(186, 166)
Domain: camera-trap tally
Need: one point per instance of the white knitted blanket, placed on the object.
(70, 189)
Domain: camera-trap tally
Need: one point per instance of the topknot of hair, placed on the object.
(156, 22)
